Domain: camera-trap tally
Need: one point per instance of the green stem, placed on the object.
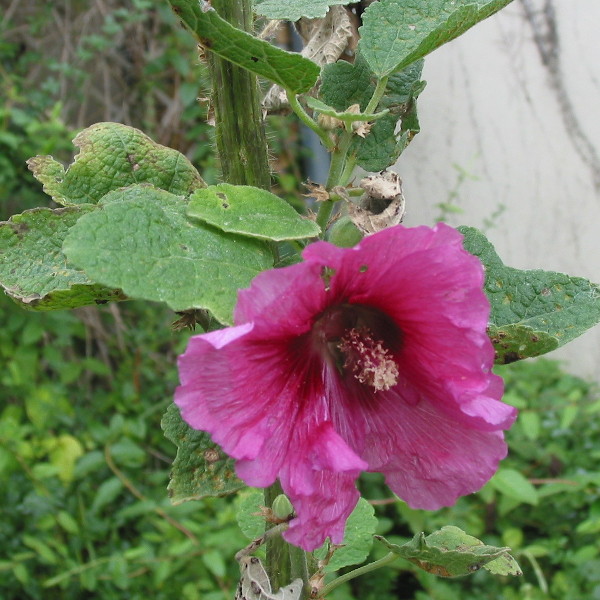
(350, 163)
(336, 169)
(240, 134)
(278, 565)
(299, 567)
(382, 562)
(348, 170)
(377, 95)
(342, 166)
(310, 123)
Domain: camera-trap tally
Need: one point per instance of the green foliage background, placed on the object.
(83, 462)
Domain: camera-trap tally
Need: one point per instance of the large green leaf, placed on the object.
(396, 33)
(358, 539)
(534, 311)
(345, 84)
(112, 156)
(33, 269)
(200, 467)
(291, 71)
(250, 211)
(139, 240)
(450, 552)
(292, 10)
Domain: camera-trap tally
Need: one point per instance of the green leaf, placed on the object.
(358, 539)
(140, 241)
(386, 142)
(200, 468)
(396, 33)
(292, 71)
(250, 211)
(530, 423)
(513, 484)
(534, 311)
(345, 84)
(64, 453)
(33, 269)
(106, 493)
(112, 156)
(249, 504)
(504, 565)
(516, 341)
(292, 10)
(450, 552)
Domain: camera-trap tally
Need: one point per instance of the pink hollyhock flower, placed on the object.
(372, 358)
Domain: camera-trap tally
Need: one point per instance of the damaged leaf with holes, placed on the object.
(112, 156)
(345, 84)
(450, 552)
(532, 311)
(35, 273)
(139, 240)
(200, 468)
(251, 212)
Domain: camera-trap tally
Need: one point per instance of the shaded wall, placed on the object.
(511, 135)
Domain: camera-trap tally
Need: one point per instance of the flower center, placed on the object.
(359, 341)
(368, 359)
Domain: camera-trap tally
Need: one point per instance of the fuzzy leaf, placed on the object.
(345, 84)
(358, 539)
(292, 10)
(112, 156)
(534, 311)
(250, 211)
(140, 241)
(449, 552)
(383, 146)
(515, 341)
(396, 33)
(200, 468)
(287, 69)
(504, 565)
(33, 269)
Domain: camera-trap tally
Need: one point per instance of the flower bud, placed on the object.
(282, 508)
(344, 233)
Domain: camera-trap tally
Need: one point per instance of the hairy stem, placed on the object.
(240, 134)
(278, 564)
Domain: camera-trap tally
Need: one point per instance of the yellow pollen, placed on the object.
(368, 359)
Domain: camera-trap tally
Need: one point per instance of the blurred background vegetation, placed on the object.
(83, 462)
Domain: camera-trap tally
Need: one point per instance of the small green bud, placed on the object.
(344, 233)
(282, 508)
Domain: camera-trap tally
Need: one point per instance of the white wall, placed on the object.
(530, 134)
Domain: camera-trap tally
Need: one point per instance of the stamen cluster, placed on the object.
(368, 360)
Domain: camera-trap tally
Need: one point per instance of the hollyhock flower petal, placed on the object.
(367, 358)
